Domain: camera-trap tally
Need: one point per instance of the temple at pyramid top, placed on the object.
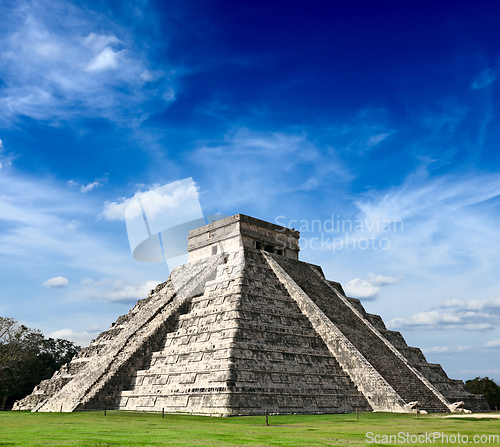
(241, 231)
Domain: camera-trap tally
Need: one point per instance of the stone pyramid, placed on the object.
(245, 327)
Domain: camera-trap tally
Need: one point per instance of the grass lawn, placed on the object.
(119, 428)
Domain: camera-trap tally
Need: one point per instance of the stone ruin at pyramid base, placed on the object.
(243, 328)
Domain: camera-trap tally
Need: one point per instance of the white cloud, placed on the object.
(48, 50)
(169, 94)
(107, 59)
(1, 147)
(116, 210)
(56, 282)
(87, 281)
(375, 139)
(98, 42)
(90, 186)
(362, 289)
(369, 289)
(471, 315)
(484, 79)
(122, 291)
(6, 159)
(73, 224)
(80, 338)
(452, 303)
(175, 199)
(446, 349)
(151, 76)
(383, 280)
(492, 344)
(492, 304)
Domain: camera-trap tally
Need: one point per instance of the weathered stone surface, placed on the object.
(244, 328)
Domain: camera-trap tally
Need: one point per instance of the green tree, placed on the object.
(14, 340)
(27, 358)
(488, 388)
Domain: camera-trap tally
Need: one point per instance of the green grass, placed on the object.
(141, 429)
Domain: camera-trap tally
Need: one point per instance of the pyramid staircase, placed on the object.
(243, 347)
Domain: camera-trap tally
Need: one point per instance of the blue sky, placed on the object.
(287, 111)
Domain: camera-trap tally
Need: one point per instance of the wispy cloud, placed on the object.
(491, 304)
(106, 58)
(420, 195)
(86, 65)
(6, 159)
(484, 79)
(383, 280)
(492, 344)
(90, 186)
(471, 315)
(446, 349)
(120, 291)
(248, 164)
(448, 220)
(376, 139)
(116, 210)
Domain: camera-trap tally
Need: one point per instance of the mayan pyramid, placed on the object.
(243, 328)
